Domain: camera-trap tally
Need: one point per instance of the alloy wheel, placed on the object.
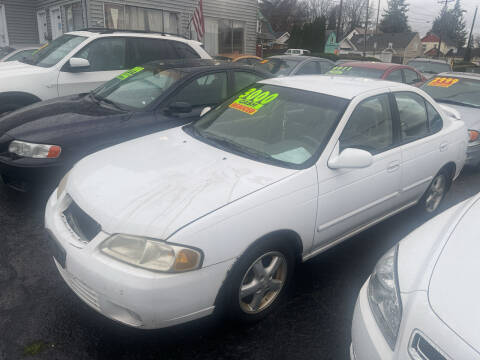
(436, 193)
(263, 282)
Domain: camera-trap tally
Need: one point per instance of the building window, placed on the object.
(73, 16)
(223, 36)
(125, 17)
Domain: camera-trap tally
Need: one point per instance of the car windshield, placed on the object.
(278, 125)
(139, 87)
(51, 53)
(429, 67)
(456, 91)
(356, 71)
(278, 67)
(20, 55)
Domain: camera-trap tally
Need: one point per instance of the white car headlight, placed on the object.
(36, 151)
(384, 296)
(151, 254)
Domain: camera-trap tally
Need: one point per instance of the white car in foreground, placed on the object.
(421, 302)
(81, 61)
(166, 228)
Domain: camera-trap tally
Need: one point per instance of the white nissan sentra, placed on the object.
(421, 302)
(213, 215)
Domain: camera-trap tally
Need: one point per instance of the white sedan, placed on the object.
(171, 226)
(421, 302)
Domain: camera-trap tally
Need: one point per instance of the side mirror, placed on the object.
(351, 159)
(205, 110)
(180, 107)
(78, 64)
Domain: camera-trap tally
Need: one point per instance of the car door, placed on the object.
(395, 76)
(350, 199)
(107, 57)
(422, 143)
(201, 91)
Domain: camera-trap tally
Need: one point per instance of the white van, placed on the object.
(297, 52)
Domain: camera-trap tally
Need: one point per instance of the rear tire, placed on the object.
(433, 197)
(258, 281)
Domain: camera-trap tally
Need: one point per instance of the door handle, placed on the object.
(443, 146)
(393, 166)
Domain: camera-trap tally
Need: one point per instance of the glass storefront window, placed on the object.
(224, 36)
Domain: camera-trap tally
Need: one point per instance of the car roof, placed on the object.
(472, 76)
(130, 33)
(373, 65)
(340, 86)
(195, 65)
(297, 58)
(429, 60)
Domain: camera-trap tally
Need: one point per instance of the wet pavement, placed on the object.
(40, 318)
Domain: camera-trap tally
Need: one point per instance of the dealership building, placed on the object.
(230, 25)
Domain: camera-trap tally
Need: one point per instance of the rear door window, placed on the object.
(145, 50)
(413, 116)
(242, 79)
(411, 77)
(395, 76)
(205, 90)
(310, 68)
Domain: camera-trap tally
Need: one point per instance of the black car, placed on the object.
(289, 65)
(41, 142)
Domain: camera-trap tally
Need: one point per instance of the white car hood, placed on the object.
(16, 68)
(153, 186)
(454, 291)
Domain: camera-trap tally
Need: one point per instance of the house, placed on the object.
(230, 25)
(388, 47)
(430, 45)
(331, 45)
(346, 45)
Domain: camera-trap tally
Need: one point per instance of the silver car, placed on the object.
(461, 91)
(429, 67)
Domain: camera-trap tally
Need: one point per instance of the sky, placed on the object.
(422, 13)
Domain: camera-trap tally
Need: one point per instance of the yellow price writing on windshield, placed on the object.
(443, 82)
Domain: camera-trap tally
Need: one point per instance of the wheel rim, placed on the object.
(435, 194)
(263, 282)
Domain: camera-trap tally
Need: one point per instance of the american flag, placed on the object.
(198, 20)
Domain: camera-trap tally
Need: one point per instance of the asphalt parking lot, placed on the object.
(40, 318)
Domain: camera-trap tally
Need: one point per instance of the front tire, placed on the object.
(259, 281)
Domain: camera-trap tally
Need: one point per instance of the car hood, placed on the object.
(155, 185)
(55, 121)
(17, 68)
(470, 116)
(453, 291)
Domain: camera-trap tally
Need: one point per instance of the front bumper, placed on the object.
(473, 155)
(22, 174)
(130, 295)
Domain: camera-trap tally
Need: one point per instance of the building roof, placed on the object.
(461, 53)
(434, 38)
(398, 40)
(339, 86)
(433, 52)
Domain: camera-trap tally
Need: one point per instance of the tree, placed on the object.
(310, 35)
(394, 19)
(450, 25)
(332, 19)
(284, 14)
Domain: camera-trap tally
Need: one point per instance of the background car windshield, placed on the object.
(278, 67)
(275, 124)
(55, 51)
(454, 90)
(139, 90)
(429, 67)
(4, 51)
(356, 71)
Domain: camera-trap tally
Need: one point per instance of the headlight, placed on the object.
(473, 135)
(151, 254)
(62, 185)
(37, 151)
(384, 296)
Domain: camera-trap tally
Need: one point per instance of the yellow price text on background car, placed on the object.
(339, 69)
(443, 82)
(253, 100)
(129, 73)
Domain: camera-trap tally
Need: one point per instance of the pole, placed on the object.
(468, 51)
(376, 26)
(365, 35)
(443, 20)
(339, 22)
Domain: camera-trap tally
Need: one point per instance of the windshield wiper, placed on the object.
(453, 102)
(110, 102)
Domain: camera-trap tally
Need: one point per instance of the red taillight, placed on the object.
(54, 152)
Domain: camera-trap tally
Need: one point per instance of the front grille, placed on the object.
(422, 348)
(81, 223)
